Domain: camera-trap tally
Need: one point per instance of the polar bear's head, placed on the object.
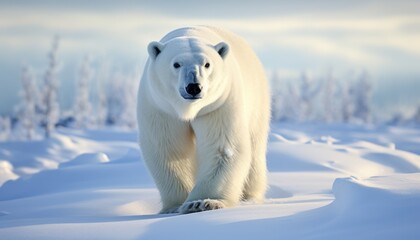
(187, 74)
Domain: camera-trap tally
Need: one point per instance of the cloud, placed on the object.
(228, 9)
(380, 36)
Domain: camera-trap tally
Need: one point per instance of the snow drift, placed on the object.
(326, 182)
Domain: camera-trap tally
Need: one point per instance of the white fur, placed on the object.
(204, 153)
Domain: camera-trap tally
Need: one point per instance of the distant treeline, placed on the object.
(105, 97)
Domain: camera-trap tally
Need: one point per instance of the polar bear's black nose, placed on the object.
(193, 89)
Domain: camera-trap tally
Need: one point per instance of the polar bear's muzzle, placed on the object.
(192, 88)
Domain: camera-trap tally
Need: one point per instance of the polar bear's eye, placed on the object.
(207, 65)
(177, 65)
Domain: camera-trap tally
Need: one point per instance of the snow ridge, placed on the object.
(326, 182)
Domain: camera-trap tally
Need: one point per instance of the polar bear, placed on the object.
(203, 116)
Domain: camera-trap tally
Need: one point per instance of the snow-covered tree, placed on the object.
(49, 106)
(129, 113)
(122, 100)
(347, 102)
(323, 99)
(101, 102)
(329, 98)
(291, 100)
(5, 128)
(416, 117)
(362, 90)
(307, 98)
(27, 116)
(276, 97)
(114, 98)
(82, 105)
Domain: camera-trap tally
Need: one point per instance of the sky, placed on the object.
(290, 37)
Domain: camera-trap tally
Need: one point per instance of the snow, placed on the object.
(326, 182)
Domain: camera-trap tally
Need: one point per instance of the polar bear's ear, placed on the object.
(154, 49)
(222, 48)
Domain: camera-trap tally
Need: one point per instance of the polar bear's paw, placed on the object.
(200, 205)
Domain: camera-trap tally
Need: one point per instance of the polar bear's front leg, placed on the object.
(224, 156)
(167, 147)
